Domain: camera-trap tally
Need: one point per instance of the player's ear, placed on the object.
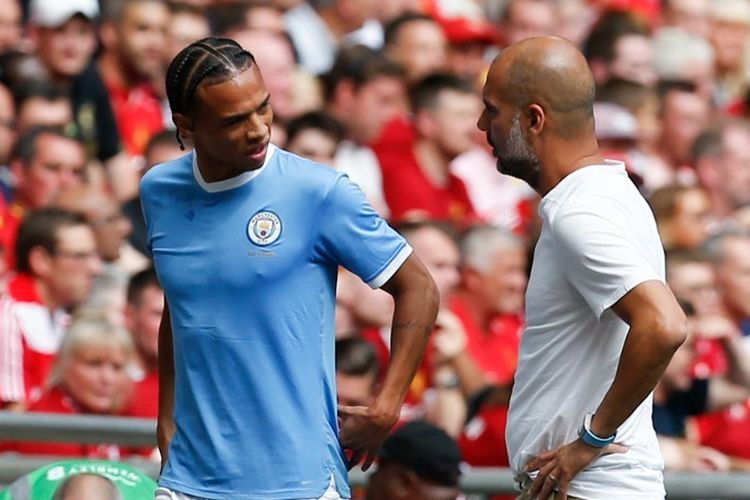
(185, 125)
(536, 118)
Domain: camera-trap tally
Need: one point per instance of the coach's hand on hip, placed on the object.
(558, 467)
(363, 430)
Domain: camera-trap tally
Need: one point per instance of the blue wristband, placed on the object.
(592, 439)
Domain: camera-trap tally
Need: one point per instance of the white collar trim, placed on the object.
(232, 182)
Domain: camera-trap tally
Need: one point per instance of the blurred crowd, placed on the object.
(389, 92)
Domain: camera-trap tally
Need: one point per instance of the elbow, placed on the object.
(430, 294)
(672, 330)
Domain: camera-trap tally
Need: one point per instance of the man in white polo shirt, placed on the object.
(601, 323)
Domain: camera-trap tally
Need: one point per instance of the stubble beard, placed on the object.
(516, 157)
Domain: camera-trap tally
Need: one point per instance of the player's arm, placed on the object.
(657, 328)
(416, 304)
(165, 423)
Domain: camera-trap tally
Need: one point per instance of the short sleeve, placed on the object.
(145, 199)
(352, 235)
(599, 260)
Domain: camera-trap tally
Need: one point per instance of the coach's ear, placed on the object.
(185, 125)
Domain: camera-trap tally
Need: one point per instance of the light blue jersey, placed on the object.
(249, 266)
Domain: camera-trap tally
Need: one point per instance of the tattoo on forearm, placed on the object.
(411, 324)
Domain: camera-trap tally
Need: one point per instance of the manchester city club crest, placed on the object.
(264, 228)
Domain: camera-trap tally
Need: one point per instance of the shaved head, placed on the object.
(539, 111)
(552, 73)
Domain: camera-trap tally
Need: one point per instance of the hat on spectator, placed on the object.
(54, 13)
(466, 29)
(427, 450)
(462, 22)
(614, 122)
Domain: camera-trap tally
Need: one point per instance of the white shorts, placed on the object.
(166, 494)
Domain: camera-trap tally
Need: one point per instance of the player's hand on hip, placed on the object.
(362, 430)
(558, 467)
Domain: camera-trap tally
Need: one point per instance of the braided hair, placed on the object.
(211, 60)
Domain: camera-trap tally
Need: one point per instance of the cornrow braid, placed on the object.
(211, 60)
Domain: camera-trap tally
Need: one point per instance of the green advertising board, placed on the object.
(42, 483)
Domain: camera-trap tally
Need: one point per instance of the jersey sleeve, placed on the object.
(12, 386)
(354, 236)
(599, 260)
(145, 194)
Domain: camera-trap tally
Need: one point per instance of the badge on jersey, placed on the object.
(264, 228)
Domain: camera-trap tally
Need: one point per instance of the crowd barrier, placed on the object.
(141, 432)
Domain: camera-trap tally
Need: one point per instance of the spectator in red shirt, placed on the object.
(142, 317)
(44, 162)
(490, 299)
(57, 262)
(489, 303)
(364, 90)
(415, 156)
(89, 377)
(133, 36)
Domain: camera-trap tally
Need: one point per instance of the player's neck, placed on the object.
(220, 170)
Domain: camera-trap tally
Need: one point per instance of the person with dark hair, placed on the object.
(415, 156)
(364, 90)
(720, 156)
(315, 135)
(64, 35)
(418, 43)
(684, 114)
(417, 462)
(247, 240)
(57, 262)
(44, 161)
(619, 46)
(357, 371)
(133, 35)
(145, 306)
(601, 324)
(43, 103)
(683, 216)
